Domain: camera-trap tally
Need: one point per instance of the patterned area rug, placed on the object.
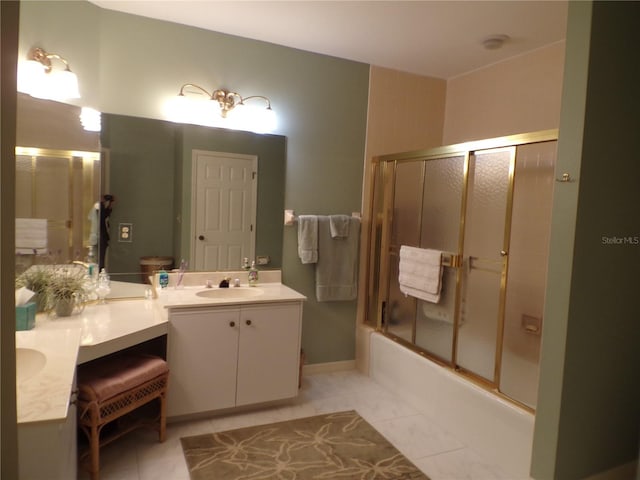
(335, 446)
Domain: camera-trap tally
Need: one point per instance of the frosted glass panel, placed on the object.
(434, 321)
(406, 205)
(400, 310)
(528, 256)
(441, 208)
(443, 185)
(405, 230)
(483, 262)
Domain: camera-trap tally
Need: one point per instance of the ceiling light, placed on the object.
(494, 42)
(221, 108)
(38, 78)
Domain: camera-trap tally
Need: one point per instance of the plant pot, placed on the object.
(64, 307)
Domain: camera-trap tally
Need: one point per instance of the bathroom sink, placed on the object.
(29, 362)
(230, 293)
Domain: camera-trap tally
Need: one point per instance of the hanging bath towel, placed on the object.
(337, 267)
(308, 238)
(420, 273)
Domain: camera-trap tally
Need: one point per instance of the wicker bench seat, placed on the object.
(112, 389)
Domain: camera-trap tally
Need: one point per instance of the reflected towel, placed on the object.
(308, 238)
(420, 273)
(339, 225)
(31, 235)
(337, 268)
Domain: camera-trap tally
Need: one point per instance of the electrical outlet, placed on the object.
(263, 259)
(125, 232)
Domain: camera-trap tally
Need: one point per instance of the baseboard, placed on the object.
(628, 471)
(329, 367)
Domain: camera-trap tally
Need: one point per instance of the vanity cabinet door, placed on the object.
(268, 353)
(202, 349)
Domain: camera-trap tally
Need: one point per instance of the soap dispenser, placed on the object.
(253, 275)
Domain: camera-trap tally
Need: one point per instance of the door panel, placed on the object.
(223, 210)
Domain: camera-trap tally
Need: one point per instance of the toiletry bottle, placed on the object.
(163, 279)
(253, 275)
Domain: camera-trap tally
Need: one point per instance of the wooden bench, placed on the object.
(113, 388)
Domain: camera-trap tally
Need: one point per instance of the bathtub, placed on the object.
(498, 430)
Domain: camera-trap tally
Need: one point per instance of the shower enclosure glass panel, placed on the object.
(485, 261)
(405, 230)
(528, 254)
(441, 210)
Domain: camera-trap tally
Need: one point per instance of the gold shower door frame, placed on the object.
(380, 246)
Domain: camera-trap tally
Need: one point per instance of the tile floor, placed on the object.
(139, 456)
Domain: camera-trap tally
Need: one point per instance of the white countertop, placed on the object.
(186, 297)
(45, 396)
(102, 329)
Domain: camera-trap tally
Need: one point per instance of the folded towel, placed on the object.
(337, 267)
(339, 225)
(420, 273)
(31, 233)
(308, 238)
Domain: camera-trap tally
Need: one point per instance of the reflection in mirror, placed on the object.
(57, 185)
(148, 170)
(64, 172)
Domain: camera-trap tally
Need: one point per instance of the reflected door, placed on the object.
(223, 209)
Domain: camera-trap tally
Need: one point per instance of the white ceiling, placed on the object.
(435, 38)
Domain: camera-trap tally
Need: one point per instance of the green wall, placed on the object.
(142, 157)
(128, 65)
(588, 418)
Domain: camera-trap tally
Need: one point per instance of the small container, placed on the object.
(163, 279)
(253, 275)
(26, 316)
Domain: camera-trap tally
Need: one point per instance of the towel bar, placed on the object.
(290, 218)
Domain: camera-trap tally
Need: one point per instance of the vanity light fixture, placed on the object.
(221, 108)
(38, 78)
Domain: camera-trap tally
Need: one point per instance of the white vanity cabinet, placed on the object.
(227, 356)
(48, 450)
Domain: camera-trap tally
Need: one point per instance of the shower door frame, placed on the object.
(378, 279)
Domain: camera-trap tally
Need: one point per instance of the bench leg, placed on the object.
(94, 446)
(163, 417)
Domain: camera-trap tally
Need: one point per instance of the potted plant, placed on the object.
(66, 290)
(37, 279)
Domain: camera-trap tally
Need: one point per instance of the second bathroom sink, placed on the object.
(230, 293)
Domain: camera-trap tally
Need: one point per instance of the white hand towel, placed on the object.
(308, 238)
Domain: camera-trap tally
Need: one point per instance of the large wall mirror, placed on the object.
(141, 169)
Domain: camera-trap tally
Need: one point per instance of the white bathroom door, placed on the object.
(223, 209)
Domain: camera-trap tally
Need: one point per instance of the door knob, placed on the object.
(503, 253)
(201, 237)
(232, 324)
(248, 322)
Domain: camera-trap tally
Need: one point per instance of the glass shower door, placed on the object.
(440, 230)
(486, 246)
(400, 310)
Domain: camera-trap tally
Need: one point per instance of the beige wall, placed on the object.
(406, 112)
(518, 95)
